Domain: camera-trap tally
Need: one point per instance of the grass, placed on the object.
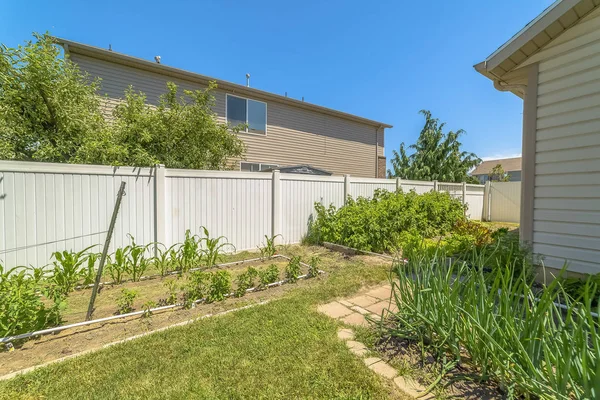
(284, 349)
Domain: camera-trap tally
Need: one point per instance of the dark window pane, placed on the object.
(236, 111)
(257, 117)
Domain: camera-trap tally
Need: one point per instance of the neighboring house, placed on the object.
(511, 167)
(281, 131)
(554, 65)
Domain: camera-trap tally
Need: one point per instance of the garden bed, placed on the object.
(83, 338)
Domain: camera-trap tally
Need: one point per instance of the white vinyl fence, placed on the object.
(48, 207)
(504, 202)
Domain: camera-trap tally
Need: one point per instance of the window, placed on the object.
(249, 112)
(255, 167)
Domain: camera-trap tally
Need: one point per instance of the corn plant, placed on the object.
(213, 248)
(245, 281)
(292, 270)
(89, 274)
(220, 286)
(269, 249)
(68, 269)
(164, 258)
(525, 344)
(189, 254)
(268, 275)
(117, 265)
(313, 266)
(125, 301)
(137, 263)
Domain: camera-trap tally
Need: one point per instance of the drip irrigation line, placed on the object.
(9, 339)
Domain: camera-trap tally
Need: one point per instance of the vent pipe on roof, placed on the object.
(302, 98)
(247, 80)
(157, 59)
(109, 47)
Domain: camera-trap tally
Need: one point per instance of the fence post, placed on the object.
(464, 196)
(347, 184)
(276, 206)
(398, 183)
(435, 186)
(160, 206)
(487, 201)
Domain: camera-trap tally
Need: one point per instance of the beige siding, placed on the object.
(566, 218)
(294, 135)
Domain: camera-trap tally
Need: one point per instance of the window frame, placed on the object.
(259, 165)
(246, 131)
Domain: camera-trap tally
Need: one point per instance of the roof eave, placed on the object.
(112, 56)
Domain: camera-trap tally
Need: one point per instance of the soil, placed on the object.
(73, 341)
(456, 384)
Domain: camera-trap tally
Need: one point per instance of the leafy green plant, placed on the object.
(245, 281)
(292, 270)
(268, 275)
(377, 224)
(147, 307)
(68, 269)
(21, 307)
(220, 286)
(172, 292)
(117, 265)
(213, 249)
(196, 288)
(511, 334)
(125, 301)
(269, 248)
(313, 266)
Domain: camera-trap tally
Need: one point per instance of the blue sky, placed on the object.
(383, 60)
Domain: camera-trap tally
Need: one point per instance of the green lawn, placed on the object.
(284, 349)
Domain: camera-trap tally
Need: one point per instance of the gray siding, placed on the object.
(566, 217)
(294, 135)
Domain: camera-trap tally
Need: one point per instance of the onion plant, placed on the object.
(497, 323)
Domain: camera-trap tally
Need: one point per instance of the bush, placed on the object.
(292, 270)
(530, 347)
(125, 301)
(21, 307)
(377, 224)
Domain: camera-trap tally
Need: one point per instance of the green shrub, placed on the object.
(245, 281)
(377, 224)
(292, 270)
(197, 287)
(125, 301)
(268, 275)
(220, 286)
(313, 266)
(531, 348)
(21, 307)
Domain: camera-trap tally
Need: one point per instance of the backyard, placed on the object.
(383, 318)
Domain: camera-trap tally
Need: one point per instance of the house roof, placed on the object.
(300, 169)
(119, 58)
(502, 64)
(508, 165)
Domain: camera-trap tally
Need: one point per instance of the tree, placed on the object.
(436, 156)
(51, 111)
(497, 174)
(182, 132)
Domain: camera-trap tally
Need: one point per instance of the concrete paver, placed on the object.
(334, 310)
(363, 300)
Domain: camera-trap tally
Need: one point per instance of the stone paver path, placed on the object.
(373, 304)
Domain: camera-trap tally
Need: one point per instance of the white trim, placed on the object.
(531, 30)
(247, 99)
(260, 164)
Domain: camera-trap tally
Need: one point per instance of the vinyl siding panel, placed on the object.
(566, 216)
(294, 135)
